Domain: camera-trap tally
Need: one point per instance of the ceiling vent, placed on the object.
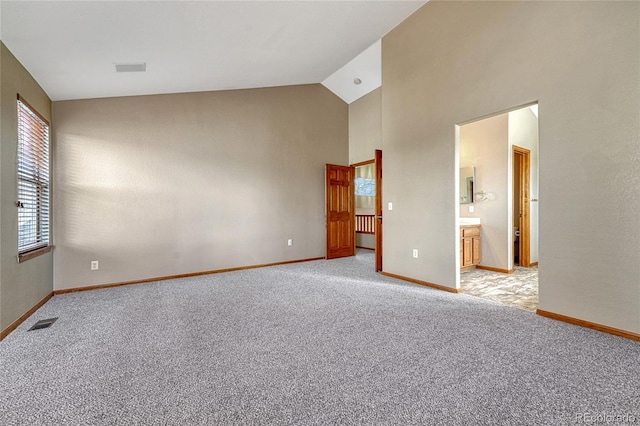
(133, 67)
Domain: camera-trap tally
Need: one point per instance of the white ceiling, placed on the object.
(366, 67)
(71, 47)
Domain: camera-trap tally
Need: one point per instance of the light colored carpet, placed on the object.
(325, 342)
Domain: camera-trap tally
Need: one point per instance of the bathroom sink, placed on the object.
(469, 221)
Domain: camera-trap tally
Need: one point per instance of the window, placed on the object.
(365, 187)
(33, 180)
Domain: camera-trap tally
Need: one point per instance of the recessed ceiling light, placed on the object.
(132, 67)
(357, 81)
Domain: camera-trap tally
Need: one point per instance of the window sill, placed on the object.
(35, 253)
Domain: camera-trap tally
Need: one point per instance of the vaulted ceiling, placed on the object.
(71, 47)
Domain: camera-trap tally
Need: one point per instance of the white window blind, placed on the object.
(33, 179)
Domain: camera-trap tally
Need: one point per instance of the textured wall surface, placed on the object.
(452, 62)
(25, 284)
(162, 185)
(364, 127)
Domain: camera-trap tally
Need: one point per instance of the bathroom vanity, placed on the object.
(469, 246)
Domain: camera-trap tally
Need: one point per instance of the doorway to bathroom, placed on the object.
(500, 216)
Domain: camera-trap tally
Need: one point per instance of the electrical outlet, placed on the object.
(415, 253)
(289, 242)
(471, 208)
(390, 206)
(95, 265)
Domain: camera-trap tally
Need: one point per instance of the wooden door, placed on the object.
(340, 213)
(378, 229)
(522, 156)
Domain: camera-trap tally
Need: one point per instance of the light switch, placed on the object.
(390, 206)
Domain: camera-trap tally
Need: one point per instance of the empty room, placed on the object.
(265, 212)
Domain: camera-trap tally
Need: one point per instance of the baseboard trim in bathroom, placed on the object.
(589, 324)
(491, 268)
(533, 264)
(424, 283)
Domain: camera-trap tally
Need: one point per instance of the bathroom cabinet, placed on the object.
(469, 246)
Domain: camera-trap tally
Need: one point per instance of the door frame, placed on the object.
(378, 229)
(377, 160)
(523, 157)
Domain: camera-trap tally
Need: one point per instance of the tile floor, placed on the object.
(519, 289)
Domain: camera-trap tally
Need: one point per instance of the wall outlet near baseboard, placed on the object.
(95, 265)
(289, 242)
(415, 253)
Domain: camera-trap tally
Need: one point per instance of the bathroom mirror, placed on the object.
(467, 184)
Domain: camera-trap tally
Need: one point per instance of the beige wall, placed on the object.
(364, 127)
(25, 284)
(161, 185)
(451, 62)
(2, 48)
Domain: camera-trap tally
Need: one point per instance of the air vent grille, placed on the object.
(133, 67)
(46, 323)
